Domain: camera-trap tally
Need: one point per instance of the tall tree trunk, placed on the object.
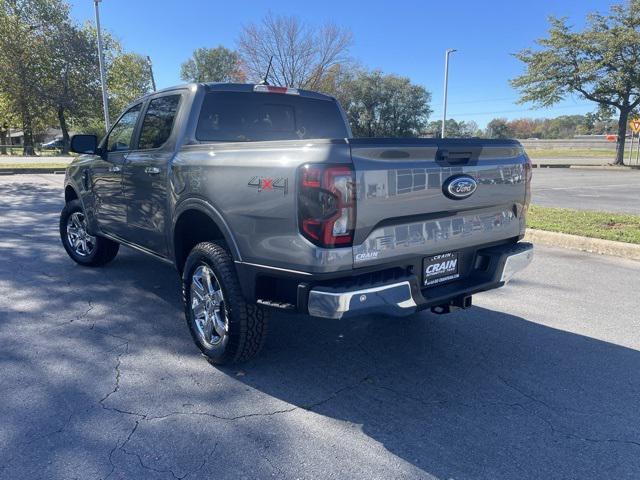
(65, 131)
(622, 133)
(3, 141)
(27, 135)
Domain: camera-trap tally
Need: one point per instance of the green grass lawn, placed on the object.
(22, 166)
(571, 153)
(608, 226)
(17, 151)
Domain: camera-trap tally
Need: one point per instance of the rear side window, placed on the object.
(255, 116)
(158, 122)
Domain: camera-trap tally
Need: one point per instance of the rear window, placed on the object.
(254, 116)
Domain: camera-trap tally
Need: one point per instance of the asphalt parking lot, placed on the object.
(606, 190)
(100, 378)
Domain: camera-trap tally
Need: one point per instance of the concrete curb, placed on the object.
(27, 171)
(610, 168)
(585, 244)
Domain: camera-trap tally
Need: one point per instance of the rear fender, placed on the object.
(208, 209)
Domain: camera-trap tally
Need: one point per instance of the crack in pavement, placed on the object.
(145, 417)
(118, 374)
(77, 317)
(113, 465)
(165, 470)
(552, 427)
(86, 312)
(558, 431)
(273, 466)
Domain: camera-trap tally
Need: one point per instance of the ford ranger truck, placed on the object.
(262, 200)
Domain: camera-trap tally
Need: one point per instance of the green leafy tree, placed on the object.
(379, 105)
(70, 82)
(213, 65)
(564, 126)
(523, 127)
(454, 129)
(24, 28)
(7, 121)
(128, 78)
(600, 63)
(600, 122)
(498, 128)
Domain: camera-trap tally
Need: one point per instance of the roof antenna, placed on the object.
(266, 76)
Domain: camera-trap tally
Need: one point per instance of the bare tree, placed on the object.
(302, 54)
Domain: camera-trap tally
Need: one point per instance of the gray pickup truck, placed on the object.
(261, 199)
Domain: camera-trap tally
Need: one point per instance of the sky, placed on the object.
(407, 38)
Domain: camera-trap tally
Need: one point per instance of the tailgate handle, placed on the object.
(455, 157)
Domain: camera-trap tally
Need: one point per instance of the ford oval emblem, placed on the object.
(459, 187)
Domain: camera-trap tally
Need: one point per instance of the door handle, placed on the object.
(114, 168)
(152, 170)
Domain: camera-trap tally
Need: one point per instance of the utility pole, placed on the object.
(446, 84)
(153, 80)
(103, 77)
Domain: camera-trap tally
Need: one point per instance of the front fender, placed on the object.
(74, 179)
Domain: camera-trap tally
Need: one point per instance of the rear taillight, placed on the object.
(528, 172)
(327, 205)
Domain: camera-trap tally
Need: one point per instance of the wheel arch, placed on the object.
(70, 193)
(195, 221)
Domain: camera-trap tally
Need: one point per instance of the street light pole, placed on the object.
(446, 84)
(153, 80)
(103, 77)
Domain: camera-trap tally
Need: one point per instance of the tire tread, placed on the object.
(251, 319)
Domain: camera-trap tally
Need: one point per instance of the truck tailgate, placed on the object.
(403, 209)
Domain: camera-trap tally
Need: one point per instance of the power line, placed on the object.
(501, 99)
(496, 112)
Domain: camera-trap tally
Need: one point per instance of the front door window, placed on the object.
(121, 134)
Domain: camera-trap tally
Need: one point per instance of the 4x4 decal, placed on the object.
(269, 183)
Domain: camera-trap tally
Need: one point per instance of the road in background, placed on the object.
(100, 377)
(578, 161)
(603, 190)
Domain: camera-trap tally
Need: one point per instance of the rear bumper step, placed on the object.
(405, 297)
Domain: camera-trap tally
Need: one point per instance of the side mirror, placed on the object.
(84, 144)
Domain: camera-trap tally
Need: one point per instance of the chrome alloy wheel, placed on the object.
(207, 307)
(80, 241)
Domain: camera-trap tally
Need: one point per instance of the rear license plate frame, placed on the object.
(441, 268)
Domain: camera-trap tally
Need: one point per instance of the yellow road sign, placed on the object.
(634, 124)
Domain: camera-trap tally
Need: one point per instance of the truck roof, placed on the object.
(227, 87)
(249, 87)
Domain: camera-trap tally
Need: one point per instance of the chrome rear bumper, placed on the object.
(516, 262)
(394, 299)
(404, 297)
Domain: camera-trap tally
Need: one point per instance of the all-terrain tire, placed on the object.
(246, 323)
(104, 250)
